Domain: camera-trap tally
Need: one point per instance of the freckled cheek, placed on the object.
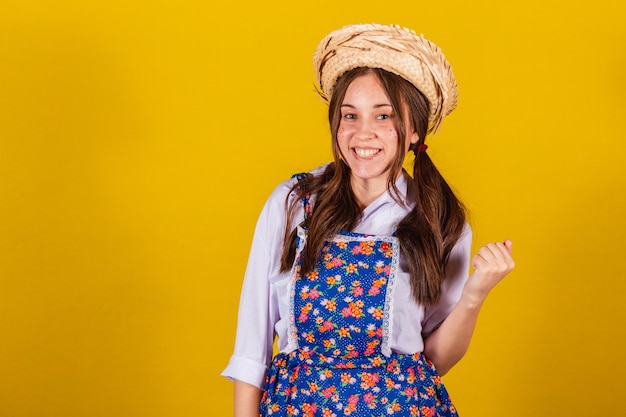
(393, 134)
(342, 132)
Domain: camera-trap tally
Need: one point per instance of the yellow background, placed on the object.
(139, 140)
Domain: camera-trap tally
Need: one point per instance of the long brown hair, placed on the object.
(428, 232)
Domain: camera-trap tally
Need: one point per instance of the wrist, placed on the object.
(472, 300)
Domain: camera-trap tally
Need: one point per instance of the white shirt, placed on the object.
(264, 304)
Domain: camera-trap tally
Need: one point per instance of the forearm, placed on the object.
(247, 399)
(449, 343)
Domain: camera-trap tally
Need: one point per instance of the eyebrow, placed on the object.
(376, 106)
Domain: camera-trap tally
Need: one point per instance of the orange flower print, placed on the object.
(313, 387)
(414, 410)
(305, 292)
(369, 380)
(393, 407)
(368, 247)
(354, 309)
(375, 288)
(325, 374)
(329, 344)
(352, 268)
(309, 337)
(373, 344)
(343, 332)
(390, 384)
(346, 379)
(333, 280)
(379, 267)
(428, 411)
(377, 312)
(376, 361)
(349, 409)
(371, 347)
(327, 412)
(365, 248)
(341, 245)
(304, 313)
(308, 409)
(312, 276)
(330, 305)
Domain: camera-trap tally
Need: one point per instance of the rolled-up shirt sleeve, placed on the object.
(457, 273)
(258, 305)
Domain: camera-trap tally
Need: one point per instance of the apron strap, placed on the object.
(305, 199)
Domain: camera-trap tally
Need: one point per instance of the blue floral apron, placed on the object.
(340, 362)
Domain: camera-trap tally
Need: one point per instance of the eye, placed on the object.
(349, 116)
(383, 116)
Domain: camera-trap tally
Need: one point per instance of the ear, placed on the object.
(414, 138)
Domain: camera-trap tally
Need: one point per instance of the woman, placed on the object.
(359, 268)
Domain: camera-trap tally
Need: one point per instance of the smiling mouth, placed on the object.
(366, 153)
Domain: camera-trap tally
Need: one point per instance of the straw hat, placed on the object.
(394, 49)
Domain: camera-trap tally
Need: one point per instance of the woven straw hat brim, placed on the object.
(393, 49)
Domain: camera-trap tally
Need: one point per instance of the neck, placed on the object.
(367, 191)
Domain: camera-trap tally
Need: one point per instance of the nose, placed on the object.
(365, 130)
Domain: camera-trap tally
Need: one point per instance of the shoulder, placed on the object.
(464, 244)
(467, 231)
(284, 192)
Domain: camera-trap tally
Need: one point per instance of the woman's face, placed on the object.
(367, 136)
